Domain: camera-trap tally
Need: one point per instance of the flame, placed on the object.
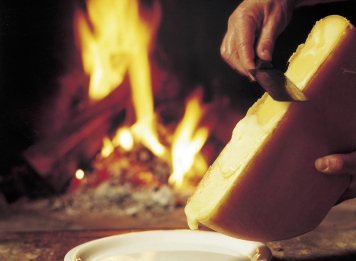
(124, 139)
(107, 148)
(188, 139)
(115, 39)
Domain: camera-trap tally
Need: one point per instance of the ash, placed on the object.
(123, 184)
(107, 199)
(114, 199)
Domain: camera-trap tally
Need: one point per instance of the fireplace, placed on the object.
(57, 128)
(54, 128)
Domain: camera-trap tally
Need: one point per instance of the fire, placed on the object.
(188, 139)
(115, 38)
(108, 147)
(124, 139)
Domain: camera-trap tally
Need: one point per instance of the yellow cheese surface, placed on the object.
(257, 180)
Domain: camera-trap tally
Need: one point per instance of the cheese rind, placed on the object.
(264, 186)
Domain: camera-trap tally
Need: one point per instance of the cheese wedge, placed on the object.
(264, 186)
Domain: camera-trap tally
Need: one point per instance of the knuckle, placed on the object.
(267, 41)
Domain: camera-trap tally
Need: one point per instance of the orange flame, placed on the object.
(115, 38)
(188, 139)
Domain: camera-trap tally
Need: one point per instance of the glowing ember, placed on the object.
(79, 174)
(188, 139)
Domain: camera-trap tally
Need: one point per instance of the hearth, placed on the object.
(54, 128)
(100, 70)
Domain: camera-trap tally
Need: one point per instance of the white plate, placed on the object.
(169, 245)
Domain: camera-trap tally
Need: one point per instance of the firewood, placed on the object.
(56, 158)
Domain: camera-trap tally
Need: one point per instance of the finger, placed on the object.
(245, 43)
(230, 55)
(237, 50)
(337, 164)
(275, 21)
(265, 43)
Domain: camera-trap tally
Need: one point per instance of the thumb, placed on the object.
(265, 43)
(337, 164)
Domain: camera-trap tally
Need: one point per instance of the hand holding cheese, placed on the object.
(264, 185)
(260, 22)
(340, 164)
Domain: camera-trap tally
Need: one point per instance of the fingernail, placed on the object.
(321, 164)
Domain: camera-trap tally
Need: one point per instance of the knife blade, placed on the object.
(275, 83)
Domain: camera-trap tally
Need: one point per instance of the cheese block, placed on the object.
(263, 186)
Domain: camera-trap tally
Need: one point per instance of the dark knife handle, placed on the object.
(263, 64)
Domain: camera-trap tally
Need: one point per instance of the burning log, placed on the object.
(56, 158)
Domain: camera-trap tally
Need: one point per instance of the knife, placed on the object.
(275, 83)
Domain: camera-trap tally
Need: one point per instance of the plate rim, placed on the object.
(88, 248)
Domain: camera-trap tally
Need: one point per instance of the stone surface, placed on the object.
(31, 235)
